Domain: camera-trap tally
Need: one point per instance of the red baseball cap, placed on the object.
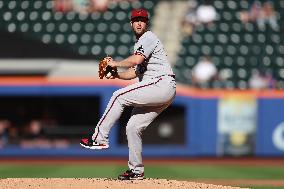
(139, 13)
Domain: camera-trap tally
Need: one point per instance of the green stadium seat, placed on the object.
(234, 38)
(127, 28)
(218, 4)
(244, 4)
(111, 38)
(281, 49)
(96, 50)
(12, 5)
(225, 73)
(20, 16)
(24, 27)
(1, 4)
(7, 16)
(95, 16)
(267, 62)
(255, 50)
(275, 38)
(72, 38)
(240, 61)
(212, 28)
(11, 27)
(85, 38)
(25, 5)
(110, 50)
(222, 38)
(124, 5)
(229, 84)
(190, 61)
(37, 27)
(83, 17)
(125, 38)
(236, 27)
(38, 4)
(232, 5)
(46, 38)
(209, 38)
(83, 50)
(196, 38)
(216, 60)
(102, 27)
(281, 73)
(62, 27)
(115, 27)
(59, 38)
(108, 15)
(50, 27)
(279, 62)
(242, 84)
(218, 50)
(56, 16)
(228, 16)
(253, 61)
(123, 50)
(244, 50)
(224, 27)
(205, 49)
(194, 50)
(281, 3)
(228, 61)
(242, 73)
(48, 4)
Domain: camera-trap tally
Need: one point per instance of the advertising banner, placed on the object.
(237, 116)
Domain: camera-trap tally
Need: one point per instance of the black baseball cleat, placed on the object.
(130, 175)
(89, 143)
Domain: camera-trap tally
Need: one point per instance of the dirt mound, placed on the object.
(101, 183)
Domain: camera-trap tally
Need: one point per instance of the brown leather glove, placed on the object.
(106, 70)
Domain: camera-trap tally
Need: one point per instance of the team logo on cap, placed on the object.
(139, 13)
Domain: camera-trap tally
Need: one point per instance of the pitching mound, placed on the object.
(91, 183)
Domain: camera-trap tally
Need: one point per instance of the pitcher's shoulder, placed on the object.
(149, 35)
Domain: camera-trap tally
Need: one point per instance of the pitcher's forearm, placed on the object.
(127, 75)
(129, 62)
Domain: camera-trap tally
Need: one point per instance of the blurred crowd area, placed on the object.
(83, 6)
(261, 12)
(29, 135)
(232, 44)
(243, 39)
(46, 122)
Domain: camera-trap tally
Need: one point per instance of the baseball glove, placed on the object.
(106, 70)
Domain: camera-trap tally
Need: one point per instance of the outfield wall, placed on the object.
(217, 122)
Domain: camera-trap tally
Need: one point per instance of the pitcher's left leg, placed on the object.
(141, 117)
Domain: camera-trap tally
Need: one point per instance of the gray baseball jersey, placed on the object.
(156, 62)
(149, 97)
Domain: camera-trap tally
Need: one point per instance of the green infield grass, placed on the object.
(177, 172)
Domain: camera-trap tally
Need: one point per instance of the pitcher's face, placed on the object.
(139, 25)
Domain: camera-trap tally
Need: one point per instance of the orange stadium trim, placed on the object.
(182, 90)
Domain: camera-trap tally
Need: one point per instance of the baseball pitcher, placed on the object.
(153, 93)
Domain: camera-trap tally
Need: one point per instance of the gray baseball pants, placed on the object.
(149, 98)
